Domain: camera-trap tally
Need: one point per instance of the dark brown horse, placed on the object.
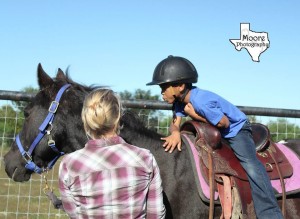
(293, 144)
(65, 132)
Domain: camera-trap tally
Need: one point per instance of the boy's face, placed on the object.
(170, 92)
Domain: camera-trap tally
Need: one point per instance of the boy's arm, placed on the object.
(189, 109)
(223, 123)
(174, 140)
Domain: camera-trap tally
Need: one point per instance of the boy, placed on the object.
(175, 76)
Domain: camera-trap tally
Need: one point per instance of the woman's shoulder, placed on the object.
(137, 148)
(139, 151)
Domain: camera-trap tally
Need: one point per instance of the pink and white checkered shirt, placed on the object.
(111, 179)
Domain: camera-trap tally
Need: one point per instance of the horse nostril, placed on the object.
(14, 175)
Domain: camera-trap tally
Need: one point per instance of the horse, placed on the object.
(66, 132)
(293, 144)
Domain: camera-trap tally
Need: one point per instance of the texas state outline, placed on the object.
(254, 52)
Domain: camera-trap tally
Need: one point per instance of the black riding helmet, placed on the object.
(174, 69)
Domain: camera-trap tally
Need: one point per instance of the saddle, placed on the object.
(223, 172)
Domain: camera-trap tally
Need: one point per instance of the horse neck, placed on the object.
(144, 138)
(74, 137)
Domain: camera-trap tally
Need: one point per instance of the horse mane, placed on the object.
(132, 121)
(81, 87)
(129, 118)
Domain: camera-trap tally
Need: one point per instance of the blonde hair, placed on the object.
(101, 113)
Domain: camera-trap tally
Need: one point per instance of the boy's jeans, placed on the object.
(265, 203)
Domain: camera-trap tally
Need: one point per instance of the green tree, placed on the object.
(139, 94)
(252, 119)
(148, 116)
(282, 129)
(11, 118)
(11, 121)
(21, 104)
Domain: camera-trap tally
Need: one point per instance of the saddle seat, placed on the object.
(260, 133)
(261, 136)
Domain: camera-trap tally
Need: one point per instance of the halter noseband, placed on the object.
(30, 165)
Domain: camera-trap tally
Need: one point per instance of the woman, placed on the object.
(109, 178)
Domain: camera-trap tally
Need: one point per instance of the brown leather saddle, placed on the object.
(222, 170)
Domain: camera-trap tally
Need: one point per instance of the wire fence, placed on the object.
(27, 200)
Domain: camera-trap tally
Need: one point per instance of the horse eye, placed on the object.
(26, 113)
(27, 109)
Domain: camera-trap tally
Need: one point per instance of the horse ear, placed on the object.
(44, 79)
(60, 75)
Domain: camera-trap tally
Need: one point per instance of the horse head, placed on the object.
(64, 129)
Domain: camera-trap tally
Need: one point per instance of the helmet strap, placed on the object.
(181, 98)
(185, 92)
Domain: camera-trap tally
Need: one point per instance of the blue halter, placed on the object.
(30, 165)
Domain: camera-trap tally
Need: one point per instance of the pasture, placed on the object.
(27, 200)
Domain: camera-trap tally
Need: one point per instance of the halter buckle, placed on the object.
(53, 106)
(51, 142)
(27, 157)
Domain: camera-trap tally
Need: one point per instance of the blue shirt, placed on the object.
(213, 107)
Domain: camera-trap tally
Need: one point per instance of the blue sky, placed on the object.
(119, 43)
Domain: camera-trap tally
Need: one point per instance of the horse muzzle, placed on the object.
(14, 167)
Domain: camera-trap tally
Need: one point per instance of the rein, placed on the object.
(45, 128)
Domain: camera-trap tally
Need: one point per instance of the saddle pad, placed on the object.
(203, 187)
(292, 184)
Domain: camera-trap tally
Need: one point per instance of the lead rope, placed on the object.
(57, 203)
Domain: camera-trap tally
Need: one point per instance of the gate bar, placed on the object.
(160, 105)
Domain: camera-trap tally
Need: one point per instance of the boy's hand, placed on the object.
(172, 141)
(189, 109)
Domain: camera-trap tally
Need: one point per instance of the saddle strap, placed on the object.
(225, 196)
(211, 183)
(281, 182)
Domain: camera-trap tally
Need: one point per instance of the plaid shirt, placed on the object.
(111, 179)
